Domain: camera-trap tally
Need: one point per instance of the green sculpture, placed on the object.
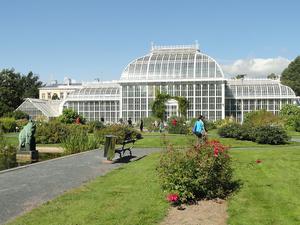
(27, 140)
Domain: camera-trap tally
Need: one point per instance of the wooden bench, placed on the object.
(127, 145)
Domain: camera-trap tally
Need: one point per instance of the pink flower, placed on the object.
(173, 197)
(258, 161)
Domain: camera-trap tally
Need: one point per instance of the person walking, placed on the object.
(129, 122)
(199, 129)
(141, 125)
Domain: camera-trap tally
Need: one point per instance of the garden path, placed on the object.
(26, 187)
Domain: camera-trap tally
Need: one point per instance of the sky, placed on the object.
(93, 39)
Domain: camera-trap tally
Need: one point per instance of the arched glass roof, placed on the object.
(257, 89)
(95, 93)
(173, 62)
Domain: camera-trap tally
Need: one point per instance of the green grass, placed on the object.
(129, 195)
(270, 191)
(157, 141)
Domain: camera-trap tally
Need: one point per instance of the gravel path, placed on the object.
(24, 188)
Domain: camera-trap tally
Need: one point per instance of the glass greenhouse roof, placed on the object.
(48, 108)
(257, 89)
(173, 62)
(96, 93)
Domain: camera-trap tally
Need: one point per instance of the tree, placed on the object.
(14, 87)
(290, 114)
(31, 85)
(240, 76)
(55, 97)
(291, 76)
(70, 116)
(272, 76)
(159, 106)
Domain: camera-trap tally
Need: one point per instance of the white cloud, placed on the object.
(256, 67)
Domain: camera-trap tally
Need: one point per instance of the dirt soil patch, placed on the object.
(212, 212)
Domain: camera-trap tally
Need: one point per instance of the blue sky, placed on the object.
(97, 39)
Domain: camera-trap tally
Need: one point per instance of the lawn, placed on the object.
(270, 192)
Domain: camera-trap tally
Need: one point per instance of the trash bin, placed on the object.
(109, 146)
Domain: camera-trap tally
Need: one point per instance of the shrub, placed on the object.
(290, 115)
(246, 132)
(18, 114)
(51, 132)
(78, 140)
(261, 117)
(21, 123)
(268, 134)
(149, 124)
(69, 116)
(178, 127)
(94, 125)
(118, 130)
(7, 124)
(230, 130)
(209, 125)
(297, 125)
(203, 171)
(222, 122)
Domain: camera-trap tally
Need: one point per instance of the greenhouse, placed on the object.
(40, 109)
(242, 96)
(178, 71)
(96, 102)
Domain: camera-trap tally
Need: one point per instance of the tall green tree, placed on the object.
(14, 87)
(272, 76)
(31, 85)
(291, 76)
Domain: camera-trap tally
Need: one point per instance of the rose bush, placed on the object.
(202, 171)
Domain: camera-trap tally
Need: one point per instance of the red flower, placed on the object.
(173, 197)
(216, 151)
(174, 122)
(258, 161)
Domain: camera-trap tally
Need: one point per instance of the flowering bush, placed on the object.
(202, 171)
(177, 125)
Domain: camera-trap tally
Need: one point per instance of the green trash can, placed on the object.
(109, 146)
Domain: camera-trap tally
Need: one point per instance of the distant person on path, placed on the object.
(129, 122)
(161, 127)
(199, 130)
(142, 126)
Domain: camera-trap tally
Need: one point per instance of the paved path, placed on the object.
(24, 188)
(297, 139)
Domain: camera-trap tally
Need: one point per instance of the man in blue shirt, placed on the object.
(199, 129)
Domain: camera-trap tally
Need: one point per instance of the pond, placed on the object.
(8, 161)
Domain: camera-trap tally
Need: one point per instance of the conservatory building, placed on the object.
(178, 71)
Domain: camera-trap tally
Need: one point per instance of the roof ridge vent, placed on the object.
(164, 48)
